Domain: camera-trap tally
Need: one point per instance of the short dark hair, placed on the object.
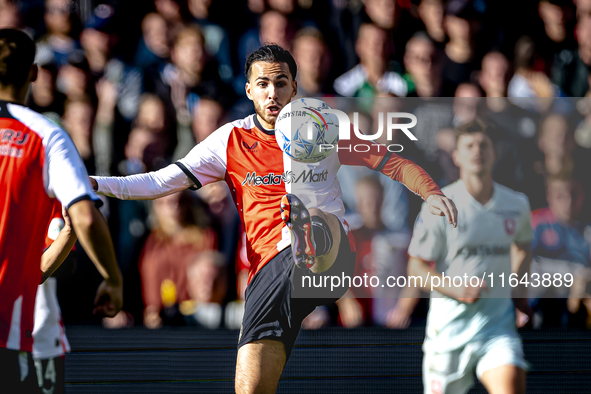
(271, 53)
(475, 126)
(17, 54)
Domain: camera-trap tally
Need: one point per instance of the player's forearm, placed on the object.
(412, 176)
(521, 256)
(93, 233)
(57, 252)
(148, 186)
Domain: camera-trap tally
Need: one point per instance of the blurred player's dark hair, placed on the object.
(475, 126)
(17, 53)
(271, 53)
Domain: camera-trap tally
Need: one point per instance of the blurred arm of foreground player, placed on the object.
(57, 252)
(426, 279)
(92, 232)
(521, 255)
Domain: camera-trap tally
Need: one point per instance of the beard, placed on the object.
(260, 111)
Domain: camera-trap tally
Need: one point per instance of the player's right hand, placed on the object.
(442, 206)
(109, 299)
(93, 183)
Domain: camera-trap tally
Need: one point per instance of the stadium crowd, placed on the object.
(137, 84)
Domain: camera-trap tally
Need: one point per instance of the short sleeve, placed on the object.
(524, 233)
(207, 161)
(428, 240)
(67, 179)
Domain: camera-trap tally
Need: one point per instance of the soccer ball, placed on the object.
(305, 132)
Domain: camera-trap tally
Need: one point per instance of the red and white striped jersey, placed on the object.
(248, 158)
(38, 162)
(49, 335)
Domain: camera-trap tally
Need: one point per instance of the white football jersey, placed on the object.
(481, 244)
(49, 334)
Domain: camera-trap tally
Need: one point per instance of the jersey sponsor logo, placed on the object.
(510, 226)
(252, 179)
(13, 137)
(10, 137)
(250, 148)
(484, 250)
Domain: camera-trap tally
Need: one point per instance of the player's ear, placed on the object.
(454, 156)
(33, 72)
(294, 84)
(247, 89)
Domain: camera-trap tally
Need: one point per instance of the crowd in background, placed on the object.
(137, 84)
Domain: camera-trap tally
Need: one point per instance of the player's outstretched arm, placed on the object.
(521, 255)
(57, 252)
(92, 231)
(149, 186)
(431, 279)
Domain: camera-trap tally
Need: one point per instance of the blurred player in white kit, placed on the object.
(472, 329)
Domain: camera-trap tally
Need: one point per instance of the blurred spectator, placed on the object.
(558, 231)
(9, 15)
(583, 7)
(285, 7)
(557, 38)
(571, 69)
(431, 14)
(175, 13)
(208, 116)
(494, 75)
(153, 117)
(314, 61)
(75, 80)
(561, 244)
(371, 75)
(527, 81)
(44, 97)
(180, 233)
(144, 152)
(423, 67)
(78, 121)
(380, 252)
(273, 27)
(207, 286)
(154, 45)
(98, 42)
(63, 28)
(467, 98)
(217, 42)
(461, 23)
(190, 75)
(557, 147)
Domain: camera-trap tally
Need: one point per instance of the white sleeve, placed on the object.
(168, 180)
(207, 161)
(67, 179)
(428, 240)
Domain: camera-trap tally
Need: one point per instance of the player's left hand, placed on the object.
(442, 206)
(525, 315)
(67, 220)
(109, 299)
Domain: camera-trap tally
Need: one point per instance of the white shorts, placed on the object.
(453, 372)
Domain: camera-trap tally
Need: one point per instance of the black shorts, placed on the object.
(276, 304)
(17, 373)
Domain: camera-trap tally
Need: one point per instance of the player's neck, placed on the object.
(10, 93)
(264, 123)
(479, 186)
